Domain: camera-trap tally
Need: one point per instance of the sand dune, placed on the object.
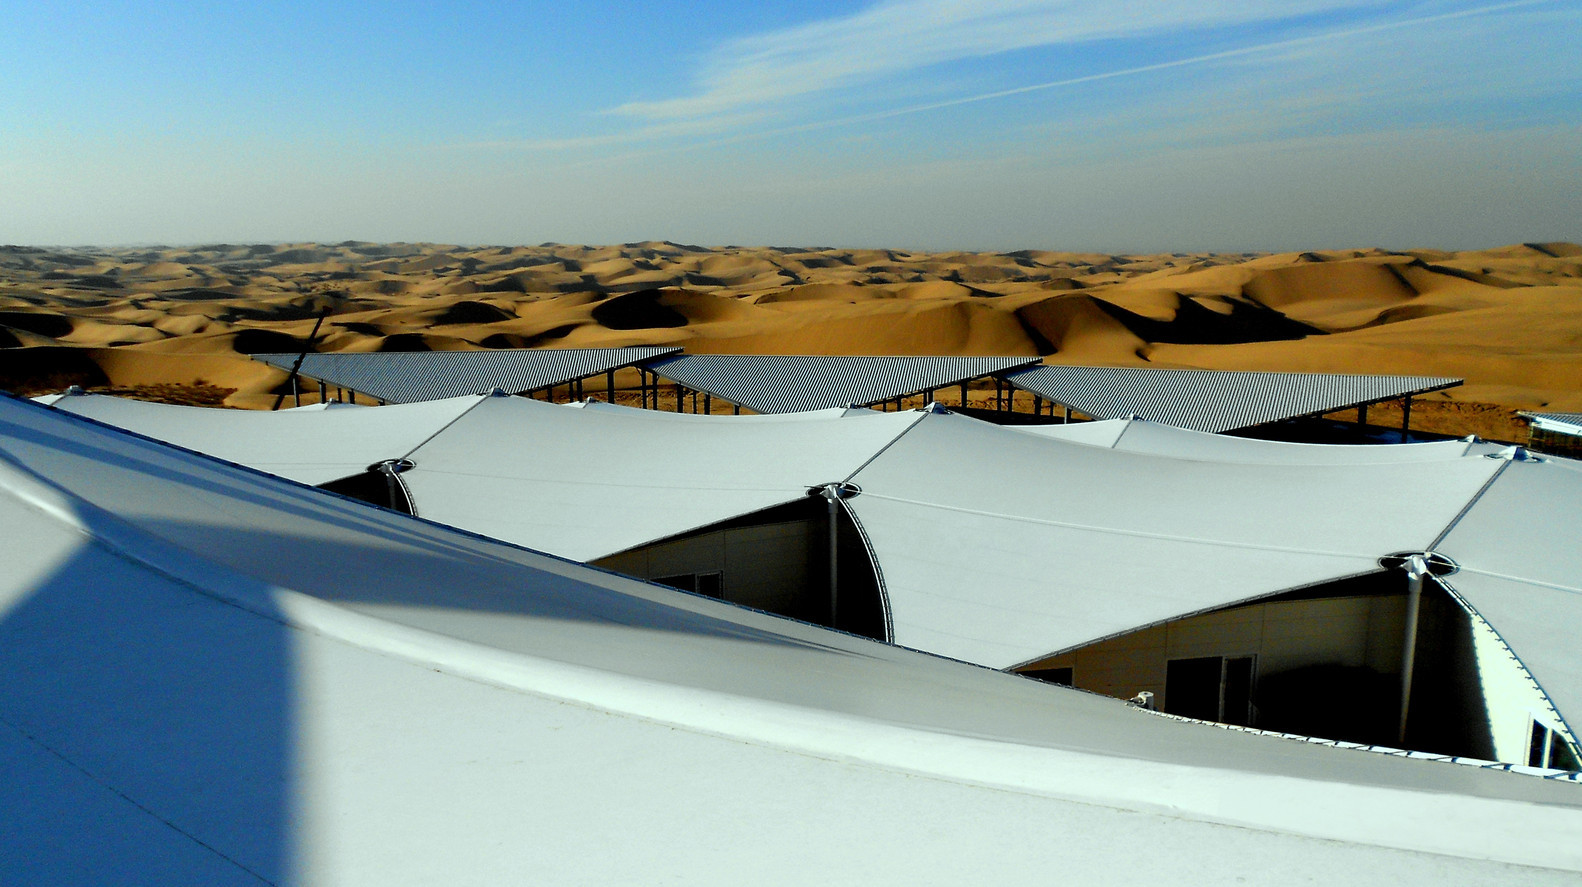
(1508, 319)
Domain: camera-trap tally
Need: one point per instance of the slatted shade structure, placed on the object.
(1568, 423)
(1213, 400)
(411, 376)
(1558, 433)
(786, 383)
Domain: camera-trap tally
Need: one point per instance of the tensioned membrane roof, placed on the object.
(307, 444)
(579, 483)
(411, 376)
(785, 383)
(1569, 423)
(215, 676)
(1212, 400)
(994, 545)
(1039, 545)
(1142, 436)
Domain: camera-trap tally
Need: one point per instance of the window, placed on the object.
(1061, 676)
(1546, 748)
(710, 584)
(1210, 688)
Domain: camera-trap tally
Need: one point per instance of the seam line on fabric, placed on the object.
(1113, 531)
(870, 461)
(96, 780)
(1465, 509)
(443, 428)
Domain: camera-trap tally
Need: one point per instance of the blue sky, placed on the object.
(1155, 125)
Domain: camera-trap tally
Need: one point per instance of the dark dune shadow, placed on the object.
(1197, 325)
(637, 311)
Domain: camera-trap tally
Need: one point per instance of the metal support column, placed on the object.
(708, 404)
(296, 393)
(1067, 419)
(1416, 569)
(609, 385)
(1406, 418)
(1362, 416)
(324, 392)
(834, 559)
(964, 394)
(832, 494)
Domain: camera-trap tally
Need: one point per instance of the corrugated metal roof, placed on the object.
(1212, 400)
(1568, 423)
(411, 376)
(786, 383)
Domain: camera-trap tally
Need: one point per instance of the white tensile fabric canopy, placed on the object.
(577, 483)
(968, 546)
(994, 545)
(1142, 436)
(313, 446)
(215, 676)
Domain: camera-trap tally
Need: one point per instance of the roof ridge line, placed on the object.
(1493, 574)
(1504, 464)
(1118, 531)
(443, 428)
(921, 416)
(1116, 443)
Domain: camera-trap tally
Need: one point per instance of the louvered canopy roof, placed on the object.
(1212, 400)
(786, 383)
(1566, 423)
(411, 376)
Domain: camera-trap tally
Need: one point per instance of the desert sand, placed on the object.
(177, 323)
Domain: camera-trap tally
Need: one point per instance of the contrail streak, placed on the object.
(1142, 69)
(1055, 84)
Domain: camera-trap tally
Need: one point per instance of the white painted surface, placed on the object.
(1143, 436)
(231, 678)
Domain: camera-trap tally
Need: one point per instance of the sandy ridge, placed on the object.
(1507, 319)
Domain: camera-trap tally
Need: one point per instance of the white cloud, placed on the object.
(902, 35)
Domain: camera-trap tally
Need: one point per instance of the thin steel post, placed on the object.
(964, 394)
(832, 497)
(324, 392)
(1416, 569)
(609, 385)
(1406, 418)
